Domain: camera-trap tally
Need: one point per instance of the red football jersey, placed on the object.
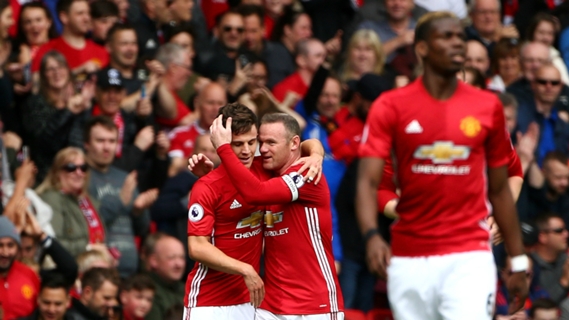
(182, 140)
(300, 275)
(442, 150)
(75, 57)
(216, 209)
(19, 291)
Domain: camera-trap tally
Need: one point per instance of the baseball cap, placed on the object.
(370, 86)
(111, 77)
(8, 230)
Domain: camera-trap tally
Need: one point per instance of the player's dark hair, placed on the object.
(118, 27)
(103, 9)
(64, 5)
(243, 118)
(425, 24)
(106, 122)
(291, 125)
(542, 220)
(138, 282)
(555, 156)
(54, 280)
(247, 10)
(95, 277)
(542, 303)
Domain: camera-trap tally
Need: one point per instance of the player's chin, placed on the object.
(246, 161)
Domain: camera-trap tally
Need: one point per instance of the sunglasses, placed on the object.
(556, 230)
(230, 28)
(545, 81)
(71, 167)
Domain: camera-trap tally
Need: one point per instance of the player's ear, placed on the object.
(295, 141)
(421, 49)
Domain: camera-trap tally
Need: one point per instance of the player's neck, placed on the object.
(292, 159)
(440, 87)
(75, 40)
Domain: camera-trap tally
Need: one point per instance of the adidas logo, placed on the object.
(413, 127)
(235, 204)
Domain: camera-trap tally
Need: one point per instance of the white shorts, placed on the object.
(244, 311)
(262, 314)
(454, 286)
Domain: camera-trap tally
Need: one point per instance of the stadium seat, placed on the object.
(350, 314)
(379, 314)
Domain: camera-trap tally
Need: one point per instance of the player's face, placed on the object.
(275, 146)
(446, 51)
(52, 303)
(244, 145)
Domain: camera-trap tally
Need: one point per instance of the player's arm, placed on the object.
(515, 183)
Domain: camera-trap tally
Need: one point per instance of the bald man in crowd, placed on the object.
(477, 57)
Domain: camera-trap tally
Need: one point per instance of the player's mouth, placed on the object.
(458, 58)
(245, 160)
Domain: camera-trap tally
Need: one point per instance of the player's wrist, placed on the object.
(519, 263)
(373, 232)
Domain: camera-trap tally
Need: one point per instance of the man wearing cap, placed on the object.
(19, 285)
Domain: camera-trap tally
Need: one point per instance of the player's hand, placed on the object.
(255, 285)
(314, 162)
(378, 255)
(220, 135)
(495, 233)
(200, 165)
(518, 289)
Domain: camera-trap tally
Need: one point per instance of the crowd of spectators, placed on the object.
(103, 101)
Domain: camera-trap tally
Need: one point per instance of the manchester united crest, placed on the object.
(470, 126)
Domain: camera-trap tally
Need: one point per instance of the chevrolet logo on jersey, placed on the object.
(273, 217)
(253, 221)
(442, 152)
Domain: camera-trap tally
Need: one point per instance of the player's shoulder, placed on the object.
(477, 95)
(214, 180)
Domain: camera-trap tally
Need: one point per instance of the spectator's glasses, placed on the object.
(71, 167)
(230, 28)
(544, 82)
(556, 230)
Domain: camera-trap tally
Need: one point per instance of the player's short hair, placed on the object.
(138, 282)
(542, 220)
(118, 27)
(542, 303)
(425, 24)
(243, 118)
(95, 277)
(55, 280)
(289, 122)
(106, 122)
(103, 8)
(555, 156)
(508, 100)
(64, 5)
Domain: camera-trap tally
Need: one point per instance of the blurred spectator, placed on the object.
(292, 27)
(477, 57)
(123, 6)
(53, 300)
(180, 10)
(6, 21)
(473, 77)
(19, 285)
(397, 31)
(486, 26)
(100, 289)
(76, 221)
(564, 45)
(166, 262)
(154, 15)
(310, 56)
(278, 59)
(50, 114)
(208, 102)
(510, 111)
(456, 7)
(544, 309)
(554, 123)
(544, 28)
(505, 64)
(137, 293)
(35, 28)
(104, 14)
(123, 209)
(363, 55)
(550, 256)
(82, 55)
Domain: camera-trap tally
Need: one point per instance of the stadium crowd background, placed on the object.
(78, 203)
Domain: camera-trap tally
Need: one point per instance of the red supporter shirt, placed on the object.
(75, 57)
(19, 291)
(442, 149)
(182, 140)
(345, 141)
(235, 227)
(182, 111)
(300, 275)
(211, 9)
(292, 83)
